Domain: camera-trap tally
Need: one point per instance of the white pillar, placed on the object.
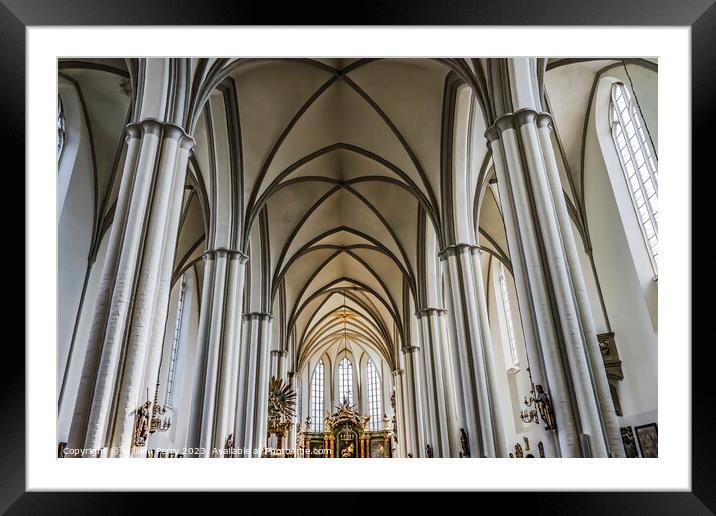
(480, 413)
(128, 295)
(218, 345)
(199, 379)
(171, 175)
(252, 402)
(415, 406)
(558, 328)
(540, 340)
(580, 290)
(433, 338)
(487, 349)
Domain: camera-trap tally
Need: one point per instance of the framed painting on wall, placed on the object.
(629, 442)
(648, 440)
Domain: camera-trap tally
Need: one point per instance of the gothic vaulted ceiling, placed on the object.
(323, 171)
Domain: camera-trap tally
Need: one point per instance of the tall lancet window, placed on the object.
(639, 164)
(175, 343)
(375, 408)
(345, 381)
(504, 293)
(317, 398)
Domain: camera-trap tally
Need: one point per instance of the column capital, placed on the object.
(398, 372)
(425, 312)
(515, 120)
(455, 249)
(220, 251)
(279, 352)
(156, 127)
(411, 349)
(262, 316)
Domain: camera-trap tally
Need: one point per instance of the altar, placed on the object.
(346, 434)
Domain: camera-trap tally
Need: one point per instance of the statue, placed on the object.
(544, 405)
(308, 424)
(348, 452)
(386, 423)
(540, 447)
(464, 444)
(141, 426)
(518, 451)
(365, 422)
(527, 443)
(428, 451)
(229, 446)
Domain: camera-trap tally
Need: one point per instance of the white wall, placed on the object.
(514, 385)
(176, 436)
(75, 220)
(622, 263)
(78, 352)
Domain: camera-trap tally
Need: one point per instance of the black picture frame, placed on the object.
(700, 15)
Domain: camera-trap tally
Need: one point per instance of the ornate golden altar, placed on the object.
(346, 434)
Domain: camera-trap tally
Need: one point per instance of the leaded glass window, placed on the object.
(639, 164)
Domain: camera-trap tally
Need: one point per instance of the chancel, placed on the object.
(357, 258)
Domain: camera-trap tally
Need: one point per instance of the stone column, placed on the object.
(252, 400)
(278, 363)
(218, 345)
(159, 318)
(472, 357)
(433, 338)
(553, 302)
(581, 295)
(415, 405)
(112, 375)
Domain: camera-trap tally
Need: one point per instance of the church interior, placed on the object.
(357, 257)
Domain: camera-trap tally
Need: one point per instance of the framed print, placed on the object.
(648, 440)
(377, 448)
(433, 241)
(629, 442)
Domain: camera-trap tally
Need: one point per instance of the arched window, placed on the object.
(175, 343)
(508, 319)
(345, 381)
(60, 128)
(639, 164)
(375, 408)
(317, 398)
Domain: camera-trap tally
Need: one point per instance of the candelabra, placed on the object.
(530, 416)
(159, 423)
(542, 404)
